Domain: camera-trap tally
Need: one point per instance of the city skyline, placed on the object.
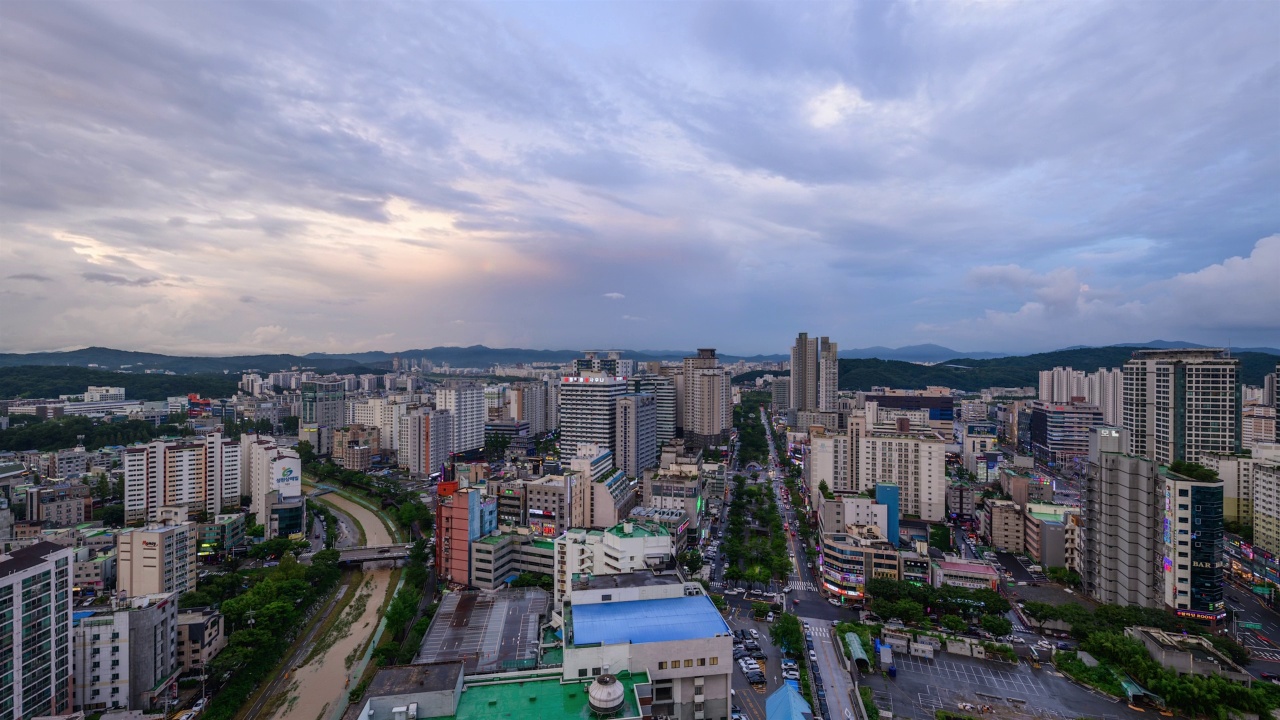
(218, 179)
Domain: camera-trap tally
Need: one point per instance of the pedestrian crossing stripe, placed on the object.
(798, 585)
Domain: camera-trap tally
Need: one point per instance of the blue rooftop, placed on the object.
(646, 621)
(79, 615)
(786, 704)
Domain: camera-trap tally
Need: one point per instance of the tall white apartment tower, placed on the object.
(1182, 404)
(527, 401)
(465, 402)
(202, 475)
(708, 403)
(425, 440)
(636, 444)
(35, 636)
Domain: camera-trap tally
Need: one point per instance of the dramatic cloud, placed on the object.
(228, 177)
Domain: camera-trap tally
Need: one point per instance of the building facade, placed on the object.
(36, 649)
(1182, 404)
(127, 658)
(157, 559)
(465, 402)
(588, 410)
(636, 435)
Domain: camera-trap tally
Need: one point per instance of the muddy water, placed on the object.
(321, 686)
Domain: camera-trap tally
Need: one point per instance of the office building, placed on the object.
(663, 389)
(158, 558)
(622, 548)
(1122, 524)
(272, 479)
(498, 558)
(815, 372)
(780, 394)
(588, 410)
(465, 402)
(36, 652)
(1060, 431)
(462, 517)
(426, 439)
(937, 402)
(322, 410)
(636, 434)
(708, 400)
(59, 505)
(1182, 404)
(203, 475)
(850, 555)
(127, 657)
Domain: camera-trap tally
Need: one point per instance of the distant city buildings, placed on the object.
(815, 372)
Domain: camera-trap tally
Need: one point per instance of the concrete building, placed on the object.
(1048, 535)
(323, 409)
(1060, 431)
(465, 402)
(588, 410)
(462, 517)
(425, 440)
(527, 402)
(852, 555)
(1187, 654)
(36, 653)
(157, 558)
(962, 500)
(971, 574)
(203, 475)
(682, 491)
(1122, 519)
(1266, 506)
(272, 477)
(355, 445)
(780, 394)
(663, 390)
(127, 657)
(916, 463)
(672, 631)
(59, 505)
(1026, 486)
(1003, 525)
(1258, 425)
(843, 513)
(636, 434)
(827, 462)
(623, 548)
(1182, 404)
(815, 372)
(496, 559)
(708, 403)
(95, 573)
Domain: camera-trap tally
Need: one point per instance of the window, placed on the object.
(595, 671)
(662, 664)
(688, 663)
(715, 661)
(702, 662)
(606, 598)
(582, 672)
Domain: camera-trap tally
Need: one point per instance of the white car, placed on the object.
(755, 633)
(199, 704)
(813, 656)
(790, 675)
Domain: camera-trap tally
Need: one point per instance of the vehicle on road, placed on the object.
(199, 704)
(813, 656)
(755, 633)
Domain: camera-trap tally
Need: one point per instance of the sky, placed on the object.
(213, 178)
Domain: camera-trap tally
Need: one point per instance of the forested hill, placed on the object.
(1014, 371)
(30, 381)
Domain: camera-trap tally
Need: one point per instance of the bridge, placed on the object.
(364, 554)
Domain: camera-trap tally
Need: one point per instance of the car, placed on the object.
(199, 704)
(1268, 676)
(759, 655)
(755, 633)
(822, 694)
(756, 678)
(1019, 640)
(789, 664)
(809, 643)
(806, 627)
(813, 656)
(768, 618)
(790, 674)
(834, 601)
(188, 715)
(1064, 646)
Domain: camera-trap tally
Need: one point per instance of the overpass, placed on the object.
(364, 554)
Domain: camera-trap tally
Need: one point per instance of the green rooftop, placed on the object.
(544, 544)
(639, 531)
(492, 539)
(545, 699)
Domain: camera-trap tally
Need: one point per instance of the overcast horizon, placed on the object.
(254, 178)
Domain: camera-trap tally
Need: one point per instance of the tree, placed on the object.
(940, 537)
(954, 623)
(825, 490)
(110, 515)
(786, 633)
(306, 453)
(759, 609)
(691, 560)
(997, 625)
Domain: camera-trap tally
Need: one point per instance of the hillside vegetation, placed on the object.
(51, 381)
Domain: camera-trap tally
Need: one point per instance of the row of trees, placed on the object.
(955, 607)
(754, 542)
(64, 432)
(754, 447)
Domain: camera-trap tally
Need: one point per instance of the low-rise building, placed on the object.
(1003, 525)
(201, 636)
(225, 532)
(498, 558)
(971, 574)
(624, 548)
(95, 573)
(1045, 533)
(1187, 654)
(59, 505)
(853, 555)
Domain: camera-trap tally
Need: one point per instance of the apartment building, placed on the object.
(36, 652)
(1182, 404)
(425, 440)
(623, 548)
(636, 435)
(663, 390)
(203, 475)
(1003, 525)
(465, 402)
(201, 636)
(127, 657)
(59, 505)
(1266, 506)
(708, 403)
(1122, 522)
(527, 402)
(815, 372)
(916, 463)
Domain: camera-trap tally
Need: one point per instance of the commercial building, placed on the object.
(681, 491)
(962, 500)
(203, 475)
(515, 433)
(588, 410)
(624, 548)
(36, 652)
(815, 372)
(663, 390)
(672, 631)
(1182, 404)
(462, 517)
(355, 445)
(1025, 485)
(158, 558)
(127, 657)
(59, 505)
(916, 463)
(499, 558)
(852, 555)
(425, 440)
(938, 402)
(971, 574)
(1049, 535)
(708, 400)
(1003, 525)
(323, 409)
(780, 394)
(827, 464)
(465, 402)
(636, 435)
(272, 478)
(1060, 431)
(201, 636)
(95, 572)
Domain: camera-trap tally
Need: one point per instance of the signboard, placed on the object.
(1250, 625)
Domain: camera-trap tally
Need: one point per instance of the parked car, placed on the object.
(758, 655)
(199, 706)
(790, 674)
(813, 656)
(755, 633)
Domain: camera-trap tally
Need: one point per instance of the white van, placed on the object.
(769, 617)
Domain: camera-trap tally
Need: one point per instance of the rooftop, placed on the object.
(638, 530)
(489, 631)
(641, 578)
(968, 567)
(646, 621)
(545, 699)
(404, 679)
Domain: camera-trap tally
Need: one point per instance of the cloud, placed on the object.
(614, 295)
(34, 277)
(634, 318)
(113, 279)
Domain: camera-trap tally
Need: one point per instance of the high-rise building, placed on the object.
(272, 478)
(780, 398)
(323, 403)
(663, 389)
(815, 372)
(1060, 431)
(915, 462)
(462, 517)
(708, 400)
(607, 362)
(635, 447)
(527, 402)
(1257, 425)
(425, 440)
(35, 638)
(588, 410)
(465, 402)
(127, 657)
(203, 475)
(158, 558)
(1182, 404)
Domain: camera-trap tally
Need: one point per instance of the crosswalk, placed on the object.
(1271, 655)
(802, 585)
(1017, 624)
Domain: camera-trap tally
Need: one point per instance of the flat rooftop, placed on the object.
(967, 567)
(639, 530)
(488, 631)
(646, 621)
(642, 578)
(404, 679)
(544, 699)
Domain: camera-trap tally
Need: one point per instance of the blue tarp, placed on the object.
(646, 621)
(786, 704)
